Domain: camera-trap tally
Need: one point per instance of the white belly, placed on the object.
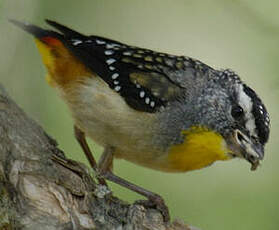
(106, 118)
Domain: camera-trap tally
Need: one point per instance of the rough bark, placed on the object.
(41, 189)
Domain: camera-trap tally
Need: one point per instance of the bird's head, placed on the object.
(239, 116)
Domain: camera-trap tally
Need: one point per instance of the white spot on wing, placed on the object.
(127, 53)
(112, 68)
(114, 76)
(108, 52)
(100, 42)
(117, 88)
(76, 42)
(152, 103)
(111, 46)
(110, 61)
(147, 100)
(142, 93)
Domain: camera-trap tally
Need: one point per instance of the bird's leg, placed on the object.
(80, 136)
(106, 161)
(154, 200)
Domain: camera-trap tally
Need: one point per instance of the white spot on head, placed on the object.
(110, 61)
(117, 88)
(142, 93)
(108, 52)
(100, 42)
(114, 76)
(246, 104)
(267, 118)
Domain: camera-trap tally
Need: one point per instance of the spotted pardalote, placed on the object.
(165, 112)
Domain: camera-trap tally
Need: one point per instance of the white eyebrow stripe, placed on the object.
(247, 105)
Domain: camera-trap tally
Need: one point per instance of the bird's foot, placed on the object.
(158, 203)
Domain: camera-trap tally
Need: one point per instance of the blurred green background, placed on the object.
(242, 35)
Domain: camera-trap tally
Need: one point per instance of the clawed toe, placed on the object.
(156, 203)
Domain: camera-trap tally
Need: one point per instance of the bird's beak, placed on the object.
(242, 146)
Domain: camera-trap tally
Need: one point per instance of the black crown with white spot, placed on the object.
(260, 114)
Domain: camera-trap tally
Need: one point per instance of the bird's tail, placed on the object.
(62, 66)
(48, 36)
(66, 31)
(36, 31)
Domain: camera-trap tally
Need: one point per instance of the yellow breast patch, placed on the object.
(200, 148)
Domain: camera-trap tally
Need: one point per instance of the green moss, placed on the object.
(6, 227)
(4, 206)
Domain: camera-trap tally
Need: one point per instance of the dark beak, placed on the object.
(247, 148)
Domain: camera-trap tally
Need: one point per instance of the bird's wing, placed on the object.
(145, 79)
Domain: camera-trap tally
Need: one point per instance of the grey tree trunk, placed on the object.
(41, 189)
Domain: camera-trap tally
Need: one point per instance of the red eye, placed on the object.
(237, 112)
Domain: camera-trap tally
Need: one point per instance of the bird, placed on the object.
(165, 112)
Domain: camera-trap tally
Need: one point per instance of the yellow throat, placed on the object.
(201, 147)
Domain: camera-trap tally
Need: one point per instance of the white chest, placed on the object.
(106, 118)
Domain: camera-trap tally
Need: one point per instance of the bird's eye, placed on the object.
(237, 112)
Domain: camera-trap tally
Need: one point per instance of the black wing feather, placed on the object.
(116, 63)
(140, 76)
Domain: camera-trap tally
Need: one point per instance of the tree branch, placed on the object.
(41, 189)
